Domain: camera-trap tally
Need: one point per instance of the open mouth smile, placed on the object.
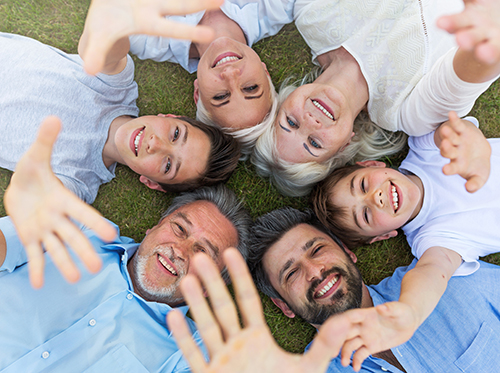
(167, 265)
(225, 58)
(323, 108)
(395, 198)
(327, 289)
(137, 141)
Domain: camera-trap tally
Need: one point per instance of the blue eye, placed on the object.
(251, 88)
(314, 144)
(221, 96)
(176, 133)
(169, 165)
(291, 123)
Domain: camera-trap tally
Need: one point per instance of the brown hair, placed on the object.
(333, 216)
(222, 159)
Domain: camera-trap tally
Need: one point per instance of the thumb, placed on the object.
(47, 136)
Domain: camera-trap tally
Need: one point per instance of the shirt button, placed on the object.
(385, 370)
(129, 296)
(45, 354)
(92, 322)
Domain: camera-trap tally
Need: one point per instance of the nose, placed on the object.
(230, 72)
(312, 121)
(154, 144)
(313, 270)
(377, 199)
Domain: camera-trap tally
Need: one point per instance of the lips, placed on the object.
(136, 140)
(225, 58)
(395, 197)
(327, 287)
(325, 109)
(167, 265)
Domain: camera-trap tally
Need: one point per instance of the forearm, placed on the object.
(423, 286)
(469, 69)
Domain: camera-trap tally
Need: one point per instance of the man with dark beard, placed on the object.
(308, 272)
(112, 321)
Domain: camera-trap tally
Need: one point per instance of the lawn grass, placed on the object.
(167, 88)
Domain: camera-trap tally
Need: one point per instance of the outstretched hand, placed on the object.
(110, 20)
(233, 348)
(41, 209)
(373, 330)
(477, 28)
(468, 150)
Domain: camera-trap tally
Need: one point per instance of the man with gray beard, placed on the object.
(308, 272)
(112, 321)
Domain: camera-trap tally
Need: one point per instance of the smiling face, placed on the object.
(163, 149)
(163, 257)
(233, 84)
(377, 200)
(314, 123)
(313, 274)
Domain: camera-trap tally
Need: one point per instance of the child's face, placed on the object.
(378, 200)
(233, 84)
(163, 149)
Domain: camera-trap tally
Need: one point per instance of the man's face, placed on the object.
(163, 149)
(313, 274)
(163, 257)
(233, 84)
(378, 200)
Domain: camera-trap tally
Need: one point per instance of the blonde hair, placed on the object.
(246, 136)
(297, 179)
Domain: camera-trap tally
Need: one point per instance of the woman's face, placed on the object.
(314, 123)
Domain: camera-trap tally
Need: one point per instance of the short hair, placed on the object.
(331, 215)
(297, 179)
(269, 229)
(222, 159)
(228, 205)
(246, 136)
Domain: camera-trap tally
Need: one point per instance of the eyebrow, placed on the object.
(179, 163)
(309, 150)
(289, 262)
(246, 98)
(286, 129)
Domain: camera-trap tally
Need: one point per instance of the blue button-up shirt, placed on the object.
(462, 334)
(96, 325)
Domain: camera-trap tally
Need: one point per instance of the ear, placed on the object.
(196, 94)
(283, 307)
(384, 236)
(372, 164)
(150, 183)
(351, 254)
(265, 68)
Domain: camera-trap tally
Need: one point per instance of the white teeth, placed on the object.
(395, 198)
(226, 59)
(136, 141)
(327, 287)
(320, 107)
(167, 266)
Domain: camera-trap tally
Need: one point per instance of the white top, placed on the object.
(450, 216)
(257, 18)
(396, 43)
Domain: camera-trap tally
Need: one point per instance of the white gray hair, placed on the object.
(246, 136)
(297, 179)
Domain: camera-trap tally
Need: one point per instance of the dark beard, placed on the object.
(348, 298)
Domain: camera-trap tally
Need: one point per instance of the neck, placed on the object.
(222, 25)
(416, 180)
(110, 153)
(342, 71)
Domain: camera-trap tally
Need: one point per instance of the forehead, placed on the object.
(206, 221)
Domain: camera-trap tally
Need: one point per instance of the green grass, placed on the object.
(167, 88)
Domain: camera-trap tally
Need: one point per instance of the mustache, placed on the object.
(312, 288)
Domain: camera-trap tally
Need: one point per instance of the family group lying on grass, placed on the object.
(418, 319)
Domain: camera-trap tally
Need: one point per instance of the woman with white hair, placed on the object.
(233, 89)
(386, 67)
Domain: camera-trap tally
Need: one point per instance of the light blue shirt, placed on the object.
(462, 334)
(257, 18)
(96, 325)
